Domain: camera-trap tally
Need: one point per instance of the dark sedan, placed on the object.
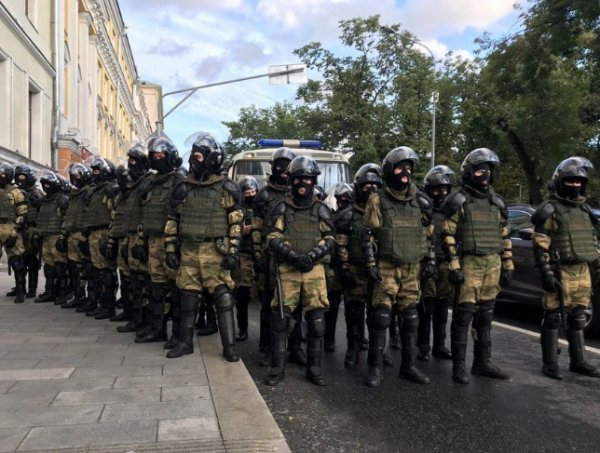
(526, 287)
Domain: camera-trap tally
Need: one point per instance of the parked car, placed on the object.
(527, 287)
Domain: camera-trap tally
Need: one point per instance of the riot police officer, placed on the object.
(13, 217)
(565, 246)
(207, 216)
(49, 226)
(301, 234)
(437, 292)
(399, 218)
(479, 253)
(245, 282)
(352, 265)
(26, 180)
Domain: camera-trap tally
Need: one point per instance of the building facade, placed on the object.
(72, 84)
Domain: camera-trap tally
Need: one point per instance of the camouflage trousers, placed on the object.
(50, 255)
(577, 288)
(400, 284)
(246, 276)
(438, 287)
(134, 264)
(122, 261)
(157, 266)
(74, 254)
(97, 239)
(6, 230)
(333, 283)
(359, 290)
(310, 288)
(482, 278)
(201, 268)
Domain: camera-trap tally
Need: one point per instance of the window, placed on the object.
(518, 220)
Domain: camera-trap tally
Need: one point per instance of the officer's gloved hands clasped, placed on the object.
(230, 262)
(140, 252)
(456, 277)
(61, 243)
(84, 247)
(109, 249)
(10, 242)
(506, 277)
(373, 274)
(172, 260)
(304, 263)
(429, 269)
(550, 283)
(346, 277)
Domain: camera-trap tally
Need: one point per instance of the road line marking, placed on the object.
(537, 335)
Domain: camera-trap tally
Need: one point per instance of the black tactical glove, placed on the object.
(304, 263)
(61, 243)
(230, 262)
(10, 242)
(373, 274)
(550, 283)
(109, 249)
(429, 269)
(456, 277)
(140, 252)
(506, 277)
(84, 247)
(345, 276)
(172, 259)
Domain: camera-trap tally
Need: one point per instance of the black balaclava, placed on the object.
(3, 180)
(571, 192)
(439, 199)
(343, 202)
(302, 198)
(483, 182)
(160, 165)
(363, 195)
(21, 181)
(396, 180)
(198, 168)
(96, 176)
(277, 171)
(135, 167)
(76, 180)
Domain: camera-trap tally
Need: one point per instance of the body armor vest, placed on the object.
(7, 210)
(275, 196)
(302, 227)
(74, 216)
(574, 239)
(247, 245)
(133, 206)
(480, 232)
(402, 238)
(203, 216)
(50, 217)
(156, 207)
(120, 222)
(355, 253)
(34, 199)
(97, 214)
(438, 226)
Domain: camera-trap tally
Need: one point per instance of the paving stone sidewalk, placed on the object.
(70, 383)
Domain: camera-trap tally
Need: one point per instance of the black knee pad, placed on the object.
(551, 320)
(463, 314)
(223, 299)
(31, 261)
(485, 315)
(354, 311)
(16, 263)
(381, 317)
(315, 320)
(280, 324)
(60, 270)
(576, 318)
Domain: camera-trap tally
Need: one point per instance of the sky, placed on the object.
(186, 43)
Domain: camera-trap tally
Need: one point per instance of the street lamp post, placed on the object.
(434, 94)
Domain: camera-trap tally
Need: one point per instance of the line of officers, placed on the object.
(397, 255)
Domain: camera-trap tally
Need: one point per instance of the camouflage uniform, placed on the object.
(245, 282)
(565, 246)
(301, 234)
(479, 252)
(13, 215)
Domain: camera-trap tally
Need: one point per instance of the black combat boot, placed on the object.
(482, 346)
(380, 321)
(157, 332)
(189, 310)
(92, 292)
(425, 310)
(48, 294)
(331, 315)
(175, 312)
(353, 311)
(78, 283)
(136, 287)
(242, 299)
(210, 326)
(578, 364)
(95, 296)
(440, 319)
(408, 333)
(315, 320)
(61, 282)
(109, 295)
(395, 342)
(224, 302)
(459, 333)
(279, 331)
(18, 266)
(549, 341)
(125, 287)
(32, 277)
(296, 355)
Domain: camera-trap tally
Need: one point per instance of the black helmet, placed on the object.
(138, 153)
(212, 152)
(8, 172)
(163, 144)
(248, 183)
(343, 189)
(282, 153)
(80, 175)
(105, 166)
(440, 175)
(477, 157)
(302, 166)
(27, 171)
(573, 167)
(319, 192)
(396, 156)
(368, 173)
(123, 177)
(50, 182)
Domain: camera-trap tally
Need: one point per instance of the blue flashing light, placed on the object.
(276, 143)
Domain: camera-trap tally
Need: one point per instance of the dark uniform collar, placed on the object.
(567, 201)
(402, 195)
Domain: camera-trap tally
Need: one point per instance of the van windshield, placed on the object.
(331, 172)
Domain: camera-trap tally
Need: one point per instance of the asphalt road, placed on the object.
(528, 413)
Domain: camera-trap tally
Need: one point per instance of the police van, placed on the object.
(334, 165)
